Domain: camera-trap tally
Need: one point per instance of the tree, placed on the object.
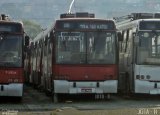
(31, 28)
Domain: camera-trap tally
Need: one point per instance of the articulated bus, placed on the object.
(77, 55)
(11, 57)
(139, 53)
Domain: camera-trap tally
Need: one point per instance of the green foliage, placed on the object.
(31, 28)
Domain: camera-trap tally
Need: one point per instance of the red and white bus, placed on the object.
(11, 57)
(77, 55)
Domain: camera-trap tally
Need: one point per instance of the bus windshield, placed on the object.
(11, 51)
(149, 47)
(85, 48)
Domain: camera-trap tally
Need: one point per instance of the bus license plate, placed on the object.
(86, 90)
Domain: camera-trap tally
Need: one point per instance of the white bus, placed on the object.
(139, 53)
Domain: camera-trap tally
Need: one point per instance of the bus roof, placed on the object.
(84, 19)
(84, 16)
(135, 23)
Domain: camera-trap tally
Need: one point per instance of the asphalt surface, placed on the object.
(35, 100)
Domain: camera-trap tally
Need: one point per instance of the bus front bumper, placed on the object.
(80, 87)
(13, 89)
(147, 87)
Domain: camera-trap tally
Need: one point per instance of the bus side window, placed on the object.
(121, 43)
(124, 41)
(49, 47)
(45, 47)
(130, 39)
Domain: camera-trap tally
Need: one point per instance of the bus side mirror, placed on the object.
(27, 40)
(120, 37)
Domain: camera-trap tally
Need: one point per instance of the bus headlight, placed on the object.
(137, 76)
(148, 76)
(142, 76)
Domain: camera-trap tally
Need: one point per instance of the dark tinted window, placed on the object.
(5, 27)
(149, 25)
(93, 25)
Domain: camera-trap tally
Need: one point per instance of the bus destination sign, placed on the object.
(85, 25)
(10, 27)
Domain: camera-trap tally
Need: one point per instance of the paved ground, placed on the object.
(73, 111)
(38, 103)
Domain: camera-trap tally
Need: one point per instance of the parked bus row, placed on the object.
(80, 55)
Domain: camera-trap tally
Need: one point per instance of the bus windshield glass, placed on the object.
(149, 47)
(11, 51)
(85, 48)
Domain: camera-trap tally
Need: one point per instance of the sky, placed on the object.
(45, 12)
